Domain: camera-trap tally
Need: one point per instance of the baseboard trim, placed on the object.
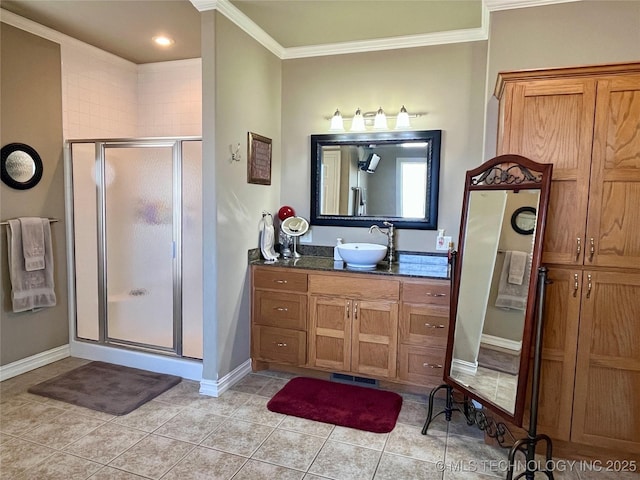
(183, 367)
(501, 342)
(34, 361)
(464, 366)
(215, 388)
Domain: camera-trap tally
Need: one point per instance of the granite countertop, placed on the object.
(419, 265)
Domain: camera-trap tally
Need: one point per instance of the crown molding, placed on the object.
(380, 44)
(252, 29)
(243, 22)
(497, 5)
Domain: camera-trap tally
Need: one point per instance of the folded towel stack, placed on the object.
(30, 255)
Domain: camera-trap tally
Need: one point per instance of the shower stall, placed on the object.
(136, 220)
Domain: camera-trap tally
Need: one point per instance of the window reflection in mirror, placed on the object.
(360, 179)
(492, 298)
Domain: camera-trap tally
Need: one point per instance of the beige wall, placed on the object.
(248, 89)
(31, 104)
(567, 34)
(445, 81)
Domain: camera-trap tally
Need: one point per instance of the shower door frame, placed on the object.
(101, 146)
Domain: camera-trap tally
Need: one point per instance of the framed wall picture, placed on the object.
(259, 161)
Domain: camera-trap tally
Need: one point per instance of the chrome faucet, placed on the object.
(389, 232)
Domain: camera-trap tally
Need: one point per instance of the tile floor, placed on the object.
(184, 435)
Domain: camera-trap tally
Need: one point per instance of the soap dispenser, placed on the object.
(336, 253)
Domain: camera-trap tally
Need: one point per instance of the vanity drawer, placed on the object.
(348, 286)
(421, 365)
(279, 280)
(425, 325)
(280, 309)
(432, 292)
(279, 345)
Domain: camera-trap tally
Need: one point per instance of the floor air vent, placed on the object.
(361, 381)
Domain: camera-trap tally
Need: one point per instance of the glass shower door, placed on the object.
(139, 245)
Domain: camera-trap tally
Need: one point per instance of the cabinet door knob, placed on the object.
(432, 365)
(280, 344)
(355, 310)
(429, 294)
(589, 285)
(280, 281)
(576, 285)
(348, 308)
(428, 325)
(281, 309)
(592, 249)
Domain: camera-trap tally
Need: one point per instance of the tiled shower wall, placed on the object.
(105, 96)
(170, 99)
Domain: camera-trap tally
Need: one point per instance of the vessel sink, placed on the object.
(362, 255)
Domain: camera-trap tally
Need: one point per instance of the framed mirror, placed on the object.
(21, 166)
(492, 313)
(360, 179)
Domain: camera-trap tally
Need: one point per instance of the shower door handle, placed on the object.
(173, 249)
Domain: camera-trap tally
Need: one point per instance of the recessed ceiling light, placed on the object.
(163, 41)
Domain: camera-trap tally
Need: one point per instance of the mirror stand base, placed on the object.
(497, 431)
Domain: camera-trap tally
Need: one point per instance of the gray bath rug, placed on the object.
(499, 360)
(106, 387)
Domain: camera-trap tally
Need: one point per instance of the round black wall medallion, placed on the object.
(523, 220)
(21, 166)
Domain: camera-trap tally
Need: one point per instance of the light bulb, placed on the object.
(337, 125)
(380, 122)
(357, 125)
(402, 121)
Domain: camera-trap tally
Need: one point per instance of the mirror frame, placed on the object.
(505, 172)
(392, 137)
(38, 168)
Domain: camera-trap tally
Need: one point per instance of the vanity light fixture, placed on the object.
(376, 119)
(337, 125)
(163, 41)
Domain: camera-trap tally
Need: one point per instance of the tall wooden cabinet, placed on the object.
(586, 121)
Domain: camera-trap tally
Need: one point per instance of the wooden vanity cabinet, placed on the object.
(424, 326)
(353, 324)
(586, 121)
(279, 316)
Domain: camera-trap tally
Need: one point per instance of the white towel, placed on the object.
(512, 296)
(517, 267)
(268, 239)
(29, 289)
(32, 242)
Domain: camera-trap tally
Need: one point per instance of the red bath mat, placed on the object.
(337, 403)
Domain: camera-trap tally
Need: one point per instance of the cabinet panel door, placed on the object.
(614, 210)
(607, 387)
(375, 338)
(330, 333)
(559, 344)
(551, 121)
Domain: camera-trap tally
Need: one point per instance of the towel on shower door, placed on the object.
(29, 289)
(511, 295)
(32, 243)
